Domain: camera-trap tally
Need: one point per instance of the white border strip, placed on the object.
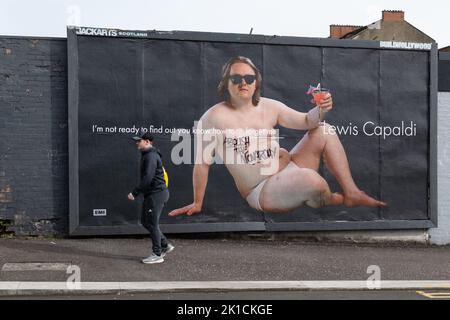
(35, 266)
(44, 288)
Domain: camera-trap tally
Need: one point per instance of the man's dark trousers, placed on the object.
(152, 209)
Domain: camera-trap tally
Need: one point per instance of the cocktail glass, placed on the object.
(319, 94)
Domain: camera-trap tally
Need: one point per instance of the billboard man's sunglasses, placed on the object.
(237, 78)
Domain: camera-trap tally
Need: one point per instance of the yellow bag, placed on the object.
(166, 177)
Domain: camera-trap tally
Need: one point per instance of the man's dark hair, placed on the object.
(222, 88)
(147, 136)
(144, 136)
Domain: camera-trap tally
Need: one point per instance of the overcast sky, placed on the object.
(269, 17)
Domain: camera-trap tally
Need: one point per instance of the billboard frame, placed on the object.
(75, 229)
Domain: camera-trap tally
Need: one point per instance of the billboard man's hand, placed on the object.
(188, 210)
(327, 103)
(130, 197)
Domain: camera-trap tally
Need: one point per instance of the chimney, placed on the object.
(393, 15)
(338, 31)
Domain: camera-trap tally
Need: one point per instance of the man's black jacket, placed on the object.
(152, 174)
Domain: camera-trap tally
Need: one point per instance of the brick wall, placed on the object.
(33, 130)
(393, 15)
(338, 31)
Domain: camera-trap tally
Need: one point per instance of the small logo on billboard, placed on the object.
(86, 31)
(99, 212)
(405, 45)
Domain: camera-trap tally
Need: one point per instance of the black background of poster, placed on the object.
(164, 82)
(444, 71)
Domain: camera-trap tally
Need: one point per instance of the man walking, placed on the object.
(153, 188)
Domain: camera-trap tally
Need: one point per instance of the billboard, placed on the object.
(377, 135)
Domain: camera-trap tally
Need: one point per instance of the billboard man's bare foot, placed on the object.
(360, 198)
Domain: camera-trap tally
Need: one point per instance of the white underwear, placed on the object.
(253, 197)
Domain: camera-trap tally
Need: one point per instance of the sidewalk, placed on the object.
(217, 264)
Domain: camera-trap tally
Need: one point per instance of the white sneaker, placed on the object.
(153, 259)
(169, 248)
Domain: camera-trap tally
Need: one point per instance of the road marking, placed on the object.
(435, 295)
(36, 266)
